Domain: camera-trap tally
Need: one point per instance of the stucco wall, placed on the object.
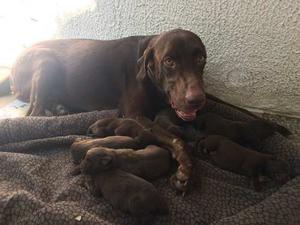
(253, 46)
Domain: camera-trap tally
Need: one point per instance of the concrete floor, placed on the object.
(6, 100)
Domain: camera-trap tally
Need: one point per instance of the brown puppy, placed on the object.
(122, 127)
(230, 156)
(80, 147)
(149, 163)
(148, 132)
(169, 120)
(128, 193)
(244, 132)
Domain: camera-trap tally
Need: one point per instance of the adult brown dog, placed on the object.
(139, 74)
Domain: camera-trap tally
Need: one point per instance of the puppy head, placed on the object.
(77, 154)
(97, 160)
(78, 149)
(101, 128)
(209, 144)
(146, 137)
(129, 127)
(277, 170)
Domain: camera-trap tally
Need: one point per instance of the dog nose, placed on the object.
(194, 99)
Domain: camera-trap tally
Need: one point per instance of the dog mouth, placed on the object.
(187, 115)
(188, 112)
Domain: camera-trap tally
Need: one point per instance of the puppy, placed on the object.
(147, 132)
(127, 193)
(149, 163)
(122, 127)
(187, 131)
(168, 119)
(245, 133)
(80, 147)
(230, 156)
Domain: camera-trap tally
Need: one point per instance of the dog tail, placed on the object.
(4, 86)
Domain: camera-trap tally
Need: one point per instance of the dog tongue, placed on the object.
(187, 116)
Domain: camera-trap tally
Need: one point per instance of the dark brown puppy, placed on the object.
(148, 132)
(169, 120)
(243, 132)
(230, 156)
(80, 147)
(186, 130)
(149, 163)
(143, 74)
(128, 193)
(122, 127)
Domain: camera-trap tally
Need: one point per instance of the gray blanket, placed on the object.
(36, 186)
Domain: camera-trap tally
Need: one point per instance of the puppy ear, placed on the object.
(145, 65)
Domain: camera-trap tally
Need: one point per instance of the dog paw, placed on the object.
(180, 186)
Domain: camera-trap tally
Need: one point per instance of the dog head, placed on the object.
(97, 160)
(174, 63)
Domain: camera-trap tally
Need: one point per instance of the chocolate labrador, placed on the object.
(149, 163)
(139, 74)
(230, 156)
(244, 132)
(123, 127)
(128, 193)
(80, 147)
(148, 132)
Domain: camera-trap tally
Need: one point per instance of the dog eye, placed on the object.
(168, 61)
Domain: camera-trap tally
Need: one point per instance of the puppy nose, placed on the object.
(90, 132)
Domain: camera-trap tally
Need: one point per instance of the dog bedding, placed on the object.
(36, 186)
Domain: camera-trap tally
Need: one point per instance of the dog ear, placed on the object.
(145, 65)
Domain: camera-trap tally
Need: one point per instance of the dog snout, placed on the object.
(195, 96)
